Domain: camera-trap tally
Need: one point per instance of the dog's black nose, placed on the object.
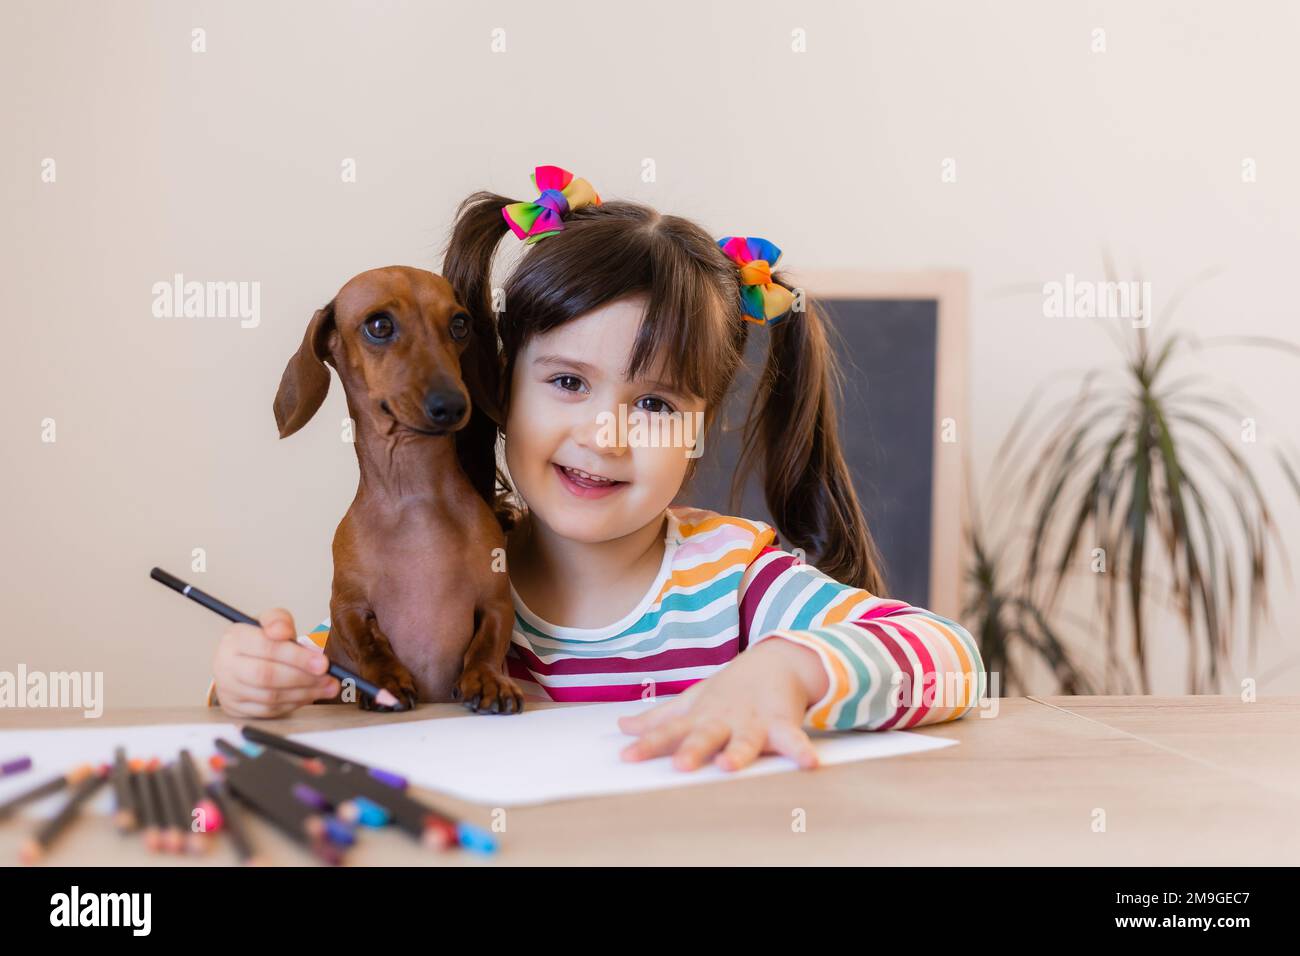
(444, 408)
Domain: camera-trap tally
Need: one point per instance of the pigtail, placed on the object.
(467, 265)
(792, 430)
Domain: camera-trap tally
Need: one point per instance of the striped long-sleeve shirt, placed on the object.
(723, 586)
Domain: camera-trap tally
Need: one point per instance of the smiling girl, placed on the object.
(617, 312)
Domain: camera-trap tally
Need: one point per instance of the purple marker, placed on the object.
(339, 832)
(17, 765)
(309, 796)
(391, 779)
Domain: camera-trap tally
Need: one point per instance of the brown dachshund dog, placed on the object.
(421, 601)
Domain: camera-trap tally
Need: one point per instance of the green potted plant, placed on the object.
(1141, 479)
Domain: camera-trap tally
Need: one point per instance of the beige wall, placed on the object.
(225, 165)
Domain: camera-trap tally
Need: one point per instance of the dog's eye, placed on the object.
(459, 326)
(378, 328)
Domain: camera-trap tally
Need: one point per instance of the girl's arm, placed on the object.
(890, 665)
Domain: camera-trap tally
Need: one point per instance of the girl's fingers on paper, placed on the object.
(745, 746)
(263, 672)
(790, 740)
(654, 716)
(706, 739)
(659, 741)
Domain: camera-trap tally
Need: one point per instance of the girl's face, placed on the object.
(565, 398)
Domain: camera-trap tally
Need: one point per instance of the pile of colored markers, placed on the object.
(314, 797)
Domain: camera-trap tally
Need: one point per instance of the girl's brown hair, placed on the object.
(693, 325)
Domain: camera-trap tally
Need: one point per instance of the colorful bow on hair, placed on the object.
(763, 301)
(561, 193)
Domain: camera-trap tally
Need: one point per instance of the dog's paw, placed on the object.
(395, 679)
(485, 690)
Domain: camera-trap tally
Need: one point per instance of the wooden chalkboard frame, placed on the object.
(950, 290)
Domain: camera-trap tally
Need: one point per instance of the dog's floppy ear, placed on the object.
(480, 370)
(306, 380)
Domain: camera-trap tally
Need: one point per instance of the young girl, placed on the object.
(619, 594)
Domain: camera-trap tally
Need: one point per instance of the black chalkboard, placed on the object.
(887, 353)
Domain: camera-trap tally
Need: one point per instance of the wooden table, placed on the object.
(1050, 780)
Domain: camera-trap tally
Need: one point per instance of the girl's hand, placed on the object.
(263, 671)
(754, 705)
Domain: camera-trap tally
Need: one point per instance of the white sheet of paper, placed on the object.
(58, 751)
(562, 753)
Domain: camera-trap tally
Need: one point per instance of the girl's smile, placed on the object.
(586, 485)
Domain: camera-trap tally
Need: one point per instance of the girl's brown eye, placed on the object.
(566, 378)
(459, 326)
(663, 406)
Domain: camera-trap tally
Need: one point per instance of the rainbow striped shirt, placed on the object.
(724, 585)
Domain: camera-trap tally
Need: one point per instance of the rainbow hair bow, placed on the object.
(561, 193)
(763, 301)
